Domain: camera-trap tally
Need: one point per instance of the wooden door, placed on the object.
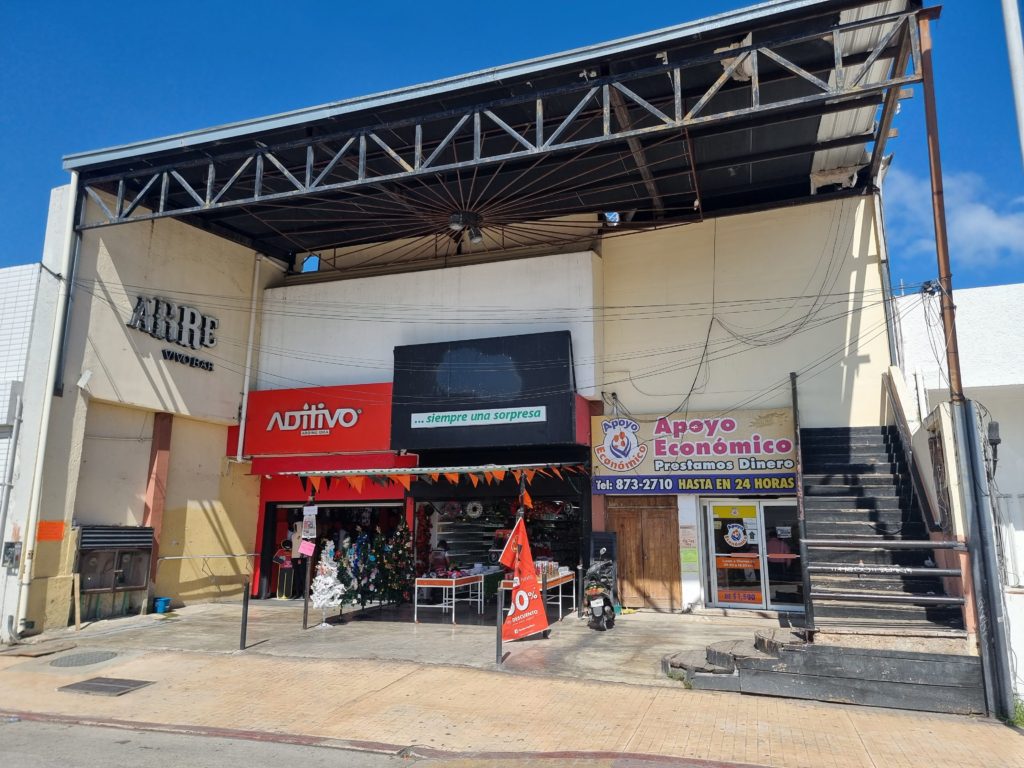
(661, 558)
(648, 550)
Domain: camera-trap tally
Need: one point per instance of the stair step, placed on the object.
(852, 455)
(870, 491)
(808, 441)
(816, 465)
(843, 529)
(725, 652)
(883, 584)
(890, 615)
(844, 556)
(882, 597)
(846, 478)
(693, 661)
(887, 429)
(814, 503)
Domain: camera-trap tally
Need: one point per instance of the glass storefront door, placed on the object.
(755, 554)
(734, 531)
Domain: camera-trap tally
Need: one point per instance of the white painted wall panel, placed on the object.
(344, 332)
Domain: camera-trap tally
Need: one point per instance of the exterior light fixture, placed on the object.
(611, 218)
(475, 235)
(461, 220)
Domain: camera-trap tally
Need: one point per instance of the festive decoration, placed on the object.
(363, 567)
(326, 591)
(396, 573)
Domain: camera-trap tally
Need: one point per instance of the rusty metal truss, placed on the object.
(596, 111)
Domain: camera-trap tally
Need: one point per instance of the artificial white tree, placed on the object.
(326, 589)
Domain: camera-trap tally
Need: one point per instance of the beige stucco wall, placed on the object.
(211, 509)
(115, 465)
(744, 271)
(98, 445)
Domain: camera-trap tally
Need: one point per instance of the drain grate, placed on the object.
(106, 686)
(83, 659)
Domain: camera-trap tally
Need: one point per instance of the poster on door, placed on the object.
(744, 596)
(701, 453)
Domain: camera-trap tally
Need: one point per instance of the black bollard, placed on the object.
(305, 600)
(501, 615)
(245, 614)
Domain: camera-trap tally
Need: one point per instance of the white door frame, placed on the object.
(708, 504)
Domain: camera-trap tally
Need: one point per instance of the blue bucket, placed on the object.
(161, 604)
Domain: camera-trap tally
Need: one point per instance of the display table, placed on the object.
(554, 581)
(461, 589)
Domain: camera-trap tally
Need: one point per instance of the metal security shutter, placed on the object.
(115, 537)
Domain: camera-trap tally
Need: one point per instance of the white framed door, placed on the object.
(736, 559)
(784, 585)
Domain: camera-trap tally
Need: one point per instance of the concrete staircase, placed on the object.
(780, 663)
(873, 565)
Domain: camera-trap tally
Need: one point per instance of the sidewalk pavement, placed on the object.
(476, 714)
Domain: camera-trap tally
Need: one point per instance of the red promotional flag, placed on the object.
(526, 615)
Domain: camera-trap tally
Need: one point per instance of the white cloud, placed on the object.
(986, 230)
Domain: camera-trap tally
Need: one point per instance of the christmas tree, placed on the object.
(364, 565)
(326, 591)
(397, 573)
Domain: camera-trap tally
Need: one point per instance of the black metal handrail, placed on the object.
(801, 519)
(928, 513)
(837, 569)
(875, 597)
(882, 544)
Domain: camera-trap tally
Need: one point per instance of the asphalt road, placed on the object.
(29, 744)
(34, 744)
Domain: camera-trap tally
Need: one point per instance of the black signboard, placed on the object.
(497, 392)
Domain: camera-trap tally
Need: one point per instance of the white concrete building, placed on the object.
(991, 344)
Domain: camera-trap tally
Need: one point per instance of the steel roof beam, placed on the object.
(190, 189)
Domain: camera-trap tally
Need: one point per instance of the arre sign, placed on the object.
(179, 324)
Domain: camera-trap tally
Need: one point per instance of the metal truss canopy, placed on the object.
(621, 137)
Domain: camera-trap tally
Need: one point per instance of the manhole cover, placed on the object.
(83, 659)
(106, 686)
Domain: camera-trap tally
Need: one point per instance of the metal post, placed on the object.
(800, 516)
(956, 391)
(305, 599)
(579, 591)
(1011, 20)
(498, 622)
(1002, 673)
(245, 615)
(975, 556)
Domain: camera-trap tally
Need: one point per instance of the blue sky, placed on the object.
(79, 76)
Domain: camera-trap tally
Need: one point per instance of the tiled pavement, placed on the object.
(478, 714)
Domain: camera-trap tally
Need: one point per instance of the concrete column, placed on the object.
(156, 486)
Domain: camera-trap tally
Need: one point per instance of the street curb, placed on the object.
(355, 745)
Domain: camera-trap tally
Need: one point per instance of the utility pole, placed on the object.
(1015, 47)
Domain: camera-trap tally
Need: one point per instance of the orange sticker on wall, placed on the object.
(50, 530)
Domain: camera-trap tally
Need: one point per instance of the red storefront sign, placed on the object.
(346, 419)
(527, 615)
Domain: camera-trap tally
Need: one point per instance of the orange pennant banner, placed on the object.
(474, 479)
(435, 476)
(403, 480)
(499, 475)
(526, 614)
(527, 499)
(557, 472)
(530, 475)
(488, 477)
(315, 481)
(356, 481)
(452, 477)
(517, 474)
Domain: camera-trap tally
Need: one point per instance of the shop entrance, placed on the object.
(755, 560)
(648, 550)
